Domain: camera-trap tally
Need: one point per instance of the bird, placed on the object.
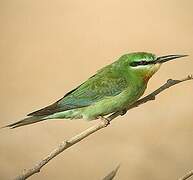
(112, 89)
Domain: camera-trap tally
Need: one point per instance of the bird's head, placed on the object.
(146, 64)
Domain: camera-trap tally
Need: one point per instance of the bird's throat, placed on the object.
(150, 72)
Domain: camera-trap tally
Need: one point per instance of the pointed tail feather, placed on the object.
(26, 121)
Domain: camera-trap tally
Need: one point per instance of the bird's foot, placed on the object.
(123, 112)
(106, 121)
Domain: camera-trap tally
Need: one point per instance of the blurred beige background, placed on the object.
(49, 47)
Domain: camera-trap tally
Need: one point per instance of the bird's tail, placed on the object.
(25, 121)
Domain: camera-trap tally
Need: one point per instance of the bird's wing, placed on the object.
(94, 89)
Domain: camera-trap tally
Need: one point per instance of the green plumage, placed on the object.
(111, 89)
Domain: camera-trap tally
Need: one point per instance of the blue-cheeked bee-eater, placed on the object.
(113, 88)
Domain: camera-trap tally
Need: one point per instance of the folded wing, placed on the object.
(93, 90)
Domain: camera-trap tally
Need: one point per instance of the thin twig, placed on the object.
(186, 176)
(112, 174)
(68, 143)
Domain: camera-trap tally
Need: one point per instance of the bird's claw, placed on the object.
(123, 112)
(106, 121)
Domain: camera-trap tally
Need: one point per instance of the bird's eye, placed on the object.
(135, 63)
(142, 63)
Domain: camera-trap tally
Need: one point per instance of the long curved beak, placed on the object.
(164, 59)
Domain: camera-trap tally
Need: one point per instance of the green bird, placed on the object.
(113, 88)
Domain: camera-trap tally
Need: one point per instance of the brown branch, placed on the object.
(186, 176)
(112, 174)
(68, 143)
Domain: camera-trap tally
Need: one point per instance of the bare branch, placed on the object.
(186, 176)
(112, 174)
(151, 97)
(68, 143)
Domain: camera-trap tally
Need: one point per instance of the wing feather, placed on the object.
(93, 90)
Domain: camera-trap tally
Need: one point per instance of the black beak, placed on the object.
(164, 59)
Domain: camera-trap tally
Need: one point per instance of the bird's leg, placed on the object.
(123, 112)
(105, 120)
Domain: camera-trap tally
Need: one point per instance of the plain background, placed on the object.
(49, 47)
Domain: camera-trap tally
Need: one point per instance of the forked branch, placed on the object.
(77, 138)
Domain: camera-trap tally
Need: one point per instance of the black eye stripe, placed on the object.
(138, 63)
